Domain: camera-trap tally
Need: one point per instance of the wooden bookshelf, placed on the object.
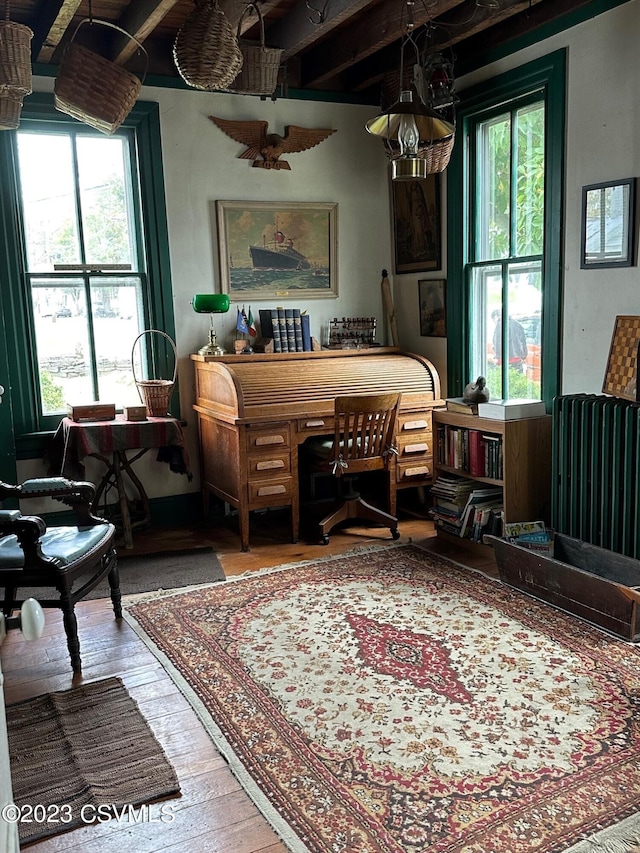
(526, 462)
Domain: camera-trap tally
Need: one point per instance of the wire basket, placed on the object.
(260, 64)
(155, 393)
(205, 50)
(93, 89)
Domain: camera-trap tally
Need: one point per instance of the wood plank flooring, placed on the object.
(213, 813)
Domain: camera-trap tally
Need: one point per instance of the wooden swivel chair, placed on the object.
(363, 441)
(34, 556)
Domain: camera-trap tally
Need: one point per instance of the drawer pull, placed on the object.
(317, 423)
(415, 425)
(416, 448)
(269, 464)
(423, 471)
(261, 440)
(271, 490)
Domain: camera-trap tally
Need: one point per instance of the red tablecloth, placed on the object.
(74, 441)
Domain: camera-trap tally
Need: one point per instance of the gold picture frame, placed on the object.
(278, 250)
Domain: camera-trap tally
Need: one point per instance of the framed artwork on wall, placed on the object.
(278, 250)
(608, 225)
(432, 304)
(417, 224)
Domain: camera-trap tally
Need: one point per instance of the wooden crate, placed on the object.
(590, 582)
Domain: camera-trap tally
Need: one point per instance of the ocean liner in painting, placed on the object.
(278, 254)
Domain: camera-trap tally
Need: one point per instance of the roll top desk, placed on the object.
(254, 411)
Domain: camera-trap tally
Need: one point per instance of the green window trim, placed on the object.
(546, 75)
(144, 119)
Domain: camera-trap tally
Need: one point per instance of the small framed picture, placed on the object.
(608, 224)
(416, 224)
(433, 315)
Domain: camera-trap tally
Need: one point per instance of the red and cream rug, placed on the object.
(394, 702)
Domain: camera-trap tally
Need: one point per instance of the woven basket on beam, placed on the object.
(260, 65)
(206, 51)
(15, 69)
(93, 89)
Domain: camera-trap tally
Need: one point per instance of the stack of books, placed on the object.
(532, 535)
(463, 509)
(288, 328)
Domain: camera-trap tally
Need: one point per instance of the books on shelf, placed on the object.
(511, 410)
(462, 508)
(470, 451)
(457, 404)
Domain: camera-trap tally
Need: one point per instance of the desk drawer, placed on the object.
(269, 465)
(414, 423)
(316, 425)
(269, 436)
(270, 492)
(415, 471)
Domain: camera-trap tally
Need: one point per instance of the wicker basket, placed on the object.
(93, 89)
(10, 109)
(206, 51)
(155, 393)
(15, 56)
(260, 65)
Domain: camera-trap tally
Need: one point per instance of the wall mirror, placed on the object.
(608, 224)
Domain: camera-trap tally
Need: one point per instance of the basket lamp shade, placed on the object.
(211, 303)
(407, 126)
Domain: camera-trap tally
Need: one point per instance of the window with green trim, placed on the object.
(504, 225)
(86, 227)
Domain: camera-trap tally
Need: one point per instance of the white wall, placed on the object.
(602, 143)
(201, 165)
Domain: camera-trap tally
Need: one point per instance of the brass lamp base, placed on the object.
(212, 348)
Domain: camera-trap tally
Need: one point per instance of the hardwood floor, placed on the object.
(213, 813)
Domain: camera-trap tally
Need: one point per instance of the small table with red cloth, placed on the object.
(109, 442)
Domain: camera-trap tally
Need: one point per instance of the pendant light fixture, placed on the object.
(409, 125)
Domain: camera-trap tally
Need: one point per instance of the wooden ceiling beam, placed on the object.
(139, 19)
(301, 26)
(385, 24)
(53, 20)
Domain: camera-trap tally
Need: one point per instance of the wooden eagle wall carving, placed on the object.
(265, 148)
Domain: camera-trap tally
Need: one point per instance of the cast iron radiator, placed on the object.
(595, 480)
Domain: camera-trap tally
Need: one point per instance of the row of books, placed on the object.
(462, 509)
(288, 328)
(470, 451)
(498, 410)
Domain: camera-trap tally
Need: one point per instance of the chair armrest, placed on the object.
(28, 529)
(77, 494)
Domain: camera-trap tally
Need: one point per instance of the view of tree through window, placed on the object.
(78, 207)
(506, 253)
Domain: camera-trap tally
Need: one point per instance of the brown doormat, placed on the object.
(75, 752)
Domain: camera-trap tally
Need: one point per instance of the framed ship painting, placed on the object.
(281, 250)
(416, 222)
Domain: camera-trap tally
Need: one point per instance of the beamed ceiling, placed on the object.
(337, 46)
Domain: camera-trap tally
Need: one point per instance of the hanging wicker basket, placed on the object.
(260, 65)
(15, 56)
(155, 393)
(206, 51)
(10, 109)
(93, 89)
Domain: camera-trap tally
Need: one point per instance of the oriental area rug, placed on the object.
(395, 702)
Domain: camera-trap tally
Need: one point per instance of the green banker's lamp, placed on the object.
(211, 303)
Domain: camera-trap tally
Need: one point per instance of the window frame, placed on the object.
(144, 123)
(547, 76)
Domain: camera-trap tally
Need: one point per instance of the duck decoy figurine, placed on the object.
(476, 392)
